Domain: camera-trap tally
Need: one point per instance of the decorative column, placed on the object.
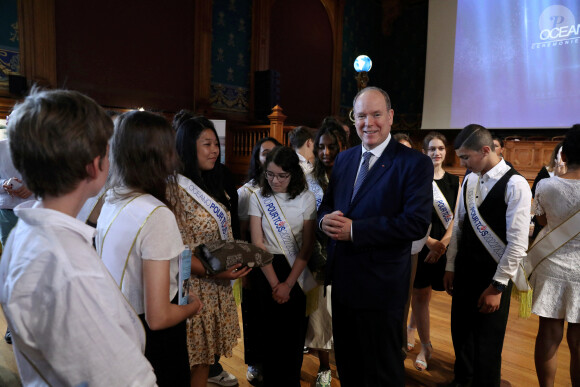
(277, 119)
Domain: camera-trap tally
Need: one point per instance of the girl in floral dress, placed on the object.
(215, 331)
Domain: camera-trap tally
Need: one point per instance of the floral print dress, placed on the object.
(216, 329)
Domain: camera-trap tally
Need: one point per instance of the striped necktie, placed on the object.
(362, 174)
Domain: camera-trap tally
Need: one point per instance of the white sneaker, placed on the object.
(323, 379)
(224, 379)
(254, 375)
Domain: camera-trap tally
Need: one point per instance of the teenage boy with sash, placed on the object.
(302, 142)
(489, 241)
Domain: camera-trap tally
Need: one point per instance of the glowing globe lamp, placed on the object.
(362, 63)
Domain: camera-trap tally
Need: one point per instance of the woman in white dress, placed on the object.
(556, 278)
(329, 141)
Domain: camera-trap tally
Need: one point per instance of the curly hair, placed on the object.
(333, 128)
(287, 159)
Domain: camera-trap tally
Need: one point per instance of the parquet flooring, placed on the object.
(517, 367)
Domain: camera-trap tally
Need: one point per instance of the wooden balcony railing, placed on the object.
(241, 139)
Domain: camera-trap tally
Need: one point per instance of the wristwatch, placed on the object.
(498, 286)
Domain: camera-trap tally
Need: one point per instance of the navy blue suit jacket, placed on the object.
(392, 209)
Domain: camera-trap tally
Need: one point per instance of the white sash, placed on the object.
(492, 243)
(89, 206)
(546, 245)
(122, 240)
(285, 238)
(207, 202)
(251, 188)
(441, 206)
(315, 188)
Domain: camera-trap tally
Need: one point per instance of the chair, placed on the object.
(513, 138)
(537, 138)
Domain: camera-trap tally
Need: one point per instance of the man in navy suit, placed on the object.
(378, 201)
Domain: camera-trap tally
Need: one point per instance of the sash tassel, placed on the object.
(522, 291)
(312, 300)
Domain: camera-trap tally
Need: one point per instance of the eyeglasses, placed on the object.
(280, 176)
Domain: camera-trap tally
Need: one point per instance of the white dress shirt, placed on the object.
(376, 153)
(70, 323)
(518, 197)
(307, 166)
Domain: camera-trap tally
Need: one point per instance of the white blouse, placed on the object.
(296, 211)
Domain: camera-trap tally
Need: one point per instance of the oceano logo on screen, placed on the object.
(558, 27)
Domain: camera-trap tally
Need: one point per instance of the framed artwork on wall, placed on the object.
(9, 42)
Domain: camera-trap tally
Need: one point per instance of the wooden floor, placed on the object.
(517, 367)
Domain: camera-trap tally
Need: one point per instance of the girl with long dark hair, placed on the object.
(329, 141)
(206, 217)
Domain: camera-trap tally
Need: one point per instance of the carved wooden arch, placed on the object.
(261, 42)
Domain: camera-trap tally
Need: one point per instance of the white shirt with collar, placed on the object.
(306, 165)
(70, 322)
(518, 197)
(376, 153)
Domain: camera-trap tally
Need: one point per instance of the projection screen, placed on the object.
(502, 64)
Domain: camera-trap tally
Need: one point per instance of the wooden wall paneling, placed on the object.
(202, 59)
(528, 157)
(335, 10)
(522, 156)
(260, 59)
(261, 20)
(6, 105)
(37, 48)
(37, 41)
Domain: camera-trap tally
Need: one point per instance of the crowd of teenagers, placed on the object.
(97, 213)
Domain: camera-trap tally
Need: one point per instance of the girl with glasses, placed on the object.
(282, 221)
(252, 356)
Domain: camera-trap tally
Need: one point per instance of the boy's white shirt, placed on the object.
(70, 322)
(518, 197)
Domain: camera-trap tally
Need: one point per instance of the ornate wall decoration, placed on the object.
(9, 41)
(230, 64)
(228, 97)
